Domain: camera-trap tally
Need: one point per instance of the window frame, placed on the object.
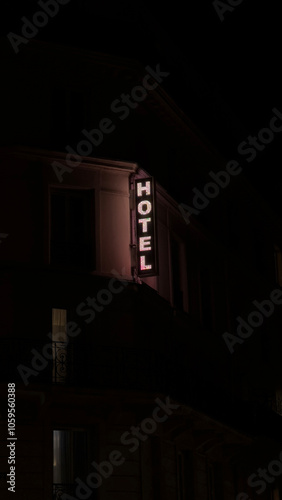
(91, 192)
(71, 473)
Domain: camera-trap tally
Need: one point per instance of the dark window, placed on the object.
(215, 481)
(60, 347)
(70, 460)
(72, 228)
(185, 475)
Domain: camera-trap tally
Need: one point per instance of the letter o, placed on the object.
(103, 301)
(214, 187)
(39, 23)
(83, 144)
(152, 423)
(268, 132)
(277, 464)
(141, 89)
(140, 208)
(259, 317)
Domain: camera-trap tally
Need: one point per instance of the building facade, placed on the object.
(119, 319)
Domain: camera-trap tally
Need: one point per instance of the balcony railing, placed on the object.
(136, 369)
(82, 365)
(62, 362)
(104, 367)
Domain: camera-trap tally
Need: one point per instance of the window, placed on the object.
(214, 480)
(208, 481)
(70, 460)
(72, 231)
(185, 475)
(275, 494)
(59, 345)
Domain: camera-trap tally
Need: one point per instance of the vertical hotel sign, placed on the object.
(146, 227)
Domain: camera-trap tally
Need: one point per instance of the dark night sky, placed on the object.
(225, 75)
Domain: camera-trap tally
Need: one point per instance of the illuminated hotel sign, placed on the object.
(146, 227)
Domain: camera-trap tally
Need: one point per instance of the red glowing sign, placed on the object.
(146, 227)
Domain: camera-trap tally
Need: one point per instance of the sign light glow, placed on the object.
(146, 227)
